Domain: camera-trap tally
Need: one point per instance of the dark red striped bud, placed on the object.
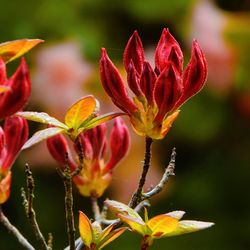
(168, 50)
(119, 143)
(134, 51)
(113, 84)
(16, 134)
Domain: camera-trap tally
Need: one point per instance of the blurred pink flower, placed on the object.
(208, 25)
(59, 77)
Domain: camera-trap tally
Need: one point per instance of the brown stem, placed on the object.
(169, 171)
(67, 181)
(13, 230)
(31, 214)
(137, 196)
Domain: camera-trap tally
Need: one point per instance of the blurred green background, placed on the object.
(212, 134)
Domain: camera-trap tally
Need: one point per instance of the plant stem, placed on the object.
(95, 208)
(137, 196)
(67, 181)
(12, 229)
(169, 171)
(31, 214)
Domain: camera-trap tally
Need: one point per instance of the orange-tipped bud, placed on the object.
(159, 92)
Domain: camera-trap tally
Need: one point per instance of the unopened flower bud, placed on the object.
(20, 87)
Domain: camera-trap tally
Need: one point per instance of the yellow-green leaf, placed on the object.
(162, 224)
(110, 237)
(80, 111)
(4, 88)
(85, 229)
(189, 226)
(42, 118)
(101, 119)
(13, 49)
(42, 135)
(96, 231)
(120, 208)
(135, 224)
(105, 232)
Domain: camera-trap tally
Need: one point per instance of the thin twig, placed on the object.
(30, 212)
(67, 181)
(67, 176)
(50, 240)
(12, 229)
(169, 171)
(137, 196)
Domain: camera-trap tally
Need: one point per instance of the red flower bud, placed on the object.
(119, 143)
(195, 74)
(113, 84)
(165, 89)
(134, 51)
(58, 148)
(93, 142)
(147, 82)
(133, 80)
(168, 89)
(14, 100)
(167, 45)
(16, 134)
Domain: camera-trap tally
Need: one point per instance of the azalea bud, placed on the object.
(159, 92)
(16, 134)
(166, 46)
(93, 141)
(195, 73)
(147, 82)
(59, 149)
(168, 89)
(5, 184)
(134, 52)
(19, 84)
(133, 80)
(119, 143)
(113, 84)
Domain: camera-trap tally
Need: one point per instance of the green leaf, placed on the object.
(42, 135)
(11, 50)
(42, 118)
(189, 226)
(101, 119)
(80, 111)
